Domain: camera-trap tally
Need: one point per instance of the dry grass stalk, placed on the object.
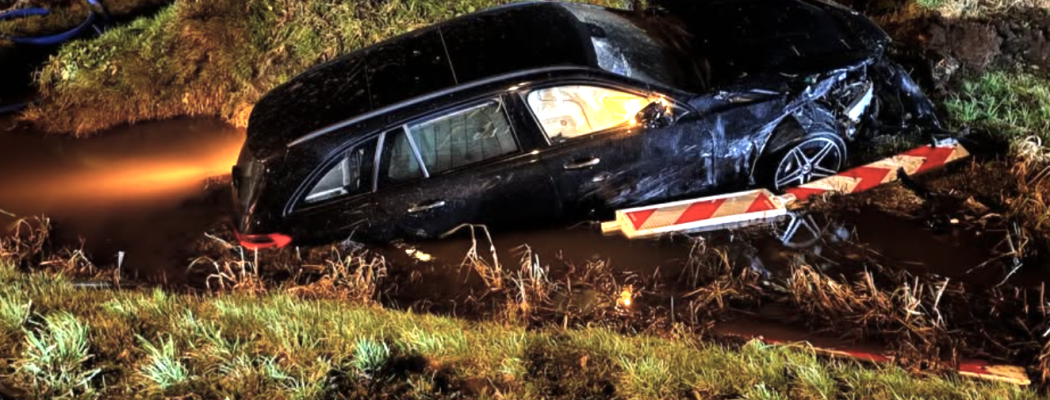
(492, 273)
(910, 312)
(1031, 205)
(705, 264)
(27, 238)
(73, 262)
(534, 288)
(717, 284)
(354, 277)
(232, 270)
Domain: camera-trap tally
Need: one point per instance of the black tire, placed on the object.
(808, 158)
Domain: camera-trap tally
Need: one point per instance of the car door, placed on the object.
(463, 165)
(667, 159)
(597, 154)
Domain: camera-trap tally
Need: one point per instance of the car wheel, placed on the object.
(807, 159)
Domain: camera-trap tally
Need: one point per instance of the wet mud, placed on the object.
(939, 49)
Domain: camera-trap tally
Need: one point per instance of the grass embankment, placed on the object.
(215, 57)
(979, 8)
(57, 340)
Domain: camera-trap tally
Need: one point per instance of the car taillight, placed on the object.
(273, 240)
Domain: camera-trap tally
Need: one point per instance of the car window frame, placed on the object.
(318, 173)
(524, 95)
(299, 204)
(476, 102)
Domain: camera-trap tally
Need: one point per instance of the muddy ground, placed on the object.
(940, 50)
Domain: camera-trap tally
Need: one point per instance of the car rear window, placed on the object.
(351, 174)
(647, 49)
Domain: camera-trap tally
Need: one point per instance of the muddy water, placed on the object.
(137, 189)
(847, 242)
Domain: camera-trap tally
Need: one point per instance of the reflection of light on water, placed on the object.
(134, 179)
(129, 170)
(419, 255)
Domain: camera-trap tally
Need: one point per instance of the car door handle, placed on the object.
(583, 164)
(426, 207)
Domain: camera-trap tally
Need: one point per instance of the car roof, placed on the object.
(473, 48)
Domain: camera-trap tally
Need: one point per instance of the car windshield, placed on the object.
(651, 49)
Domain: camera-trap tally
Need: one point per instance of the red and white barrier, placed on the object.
(785, 335)
(915, 161)
(708, 213)
(757, 206)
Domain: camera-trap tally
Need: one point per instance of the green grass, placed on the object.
(215, 58)
(370, 356)
(1010, 104)
(121, 344)
(162, 366)
(67, 14)
(55, 358)
(979, 8)
(14, 312)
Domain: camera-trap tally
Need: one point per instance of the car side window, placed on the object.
(464, 137)
(351, 174)
(449, 141)
(399, 160)
(568, 112)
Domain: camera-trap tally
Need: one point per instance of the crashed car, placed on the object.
(540, 112)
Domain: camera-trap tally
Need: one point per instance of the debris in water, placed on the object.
(626, 296)
(419, 255)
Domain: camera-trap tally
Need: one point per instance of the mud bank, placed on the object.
(940, 48)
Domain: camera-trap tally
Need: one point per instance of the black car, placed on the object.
(537, 112)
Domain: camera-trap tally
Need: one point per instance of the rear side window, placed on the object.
(351, 174)
(568, 112)
(464, 137)
(446, 142)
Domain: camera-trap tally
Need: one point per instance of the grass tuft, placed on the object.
(980, 8)
(370, 355)
(56, 358)
(163, 368)
(14, 313)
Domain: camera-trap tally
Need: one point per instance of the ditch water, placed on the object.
(140, 190)
(137, 189)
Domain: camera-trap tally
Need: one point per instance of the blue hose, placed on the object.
(49, 40)
(57, 38)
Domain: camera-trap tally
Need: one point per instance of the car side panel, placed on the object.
(662, 164)
(497, 195)
(355, 218)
